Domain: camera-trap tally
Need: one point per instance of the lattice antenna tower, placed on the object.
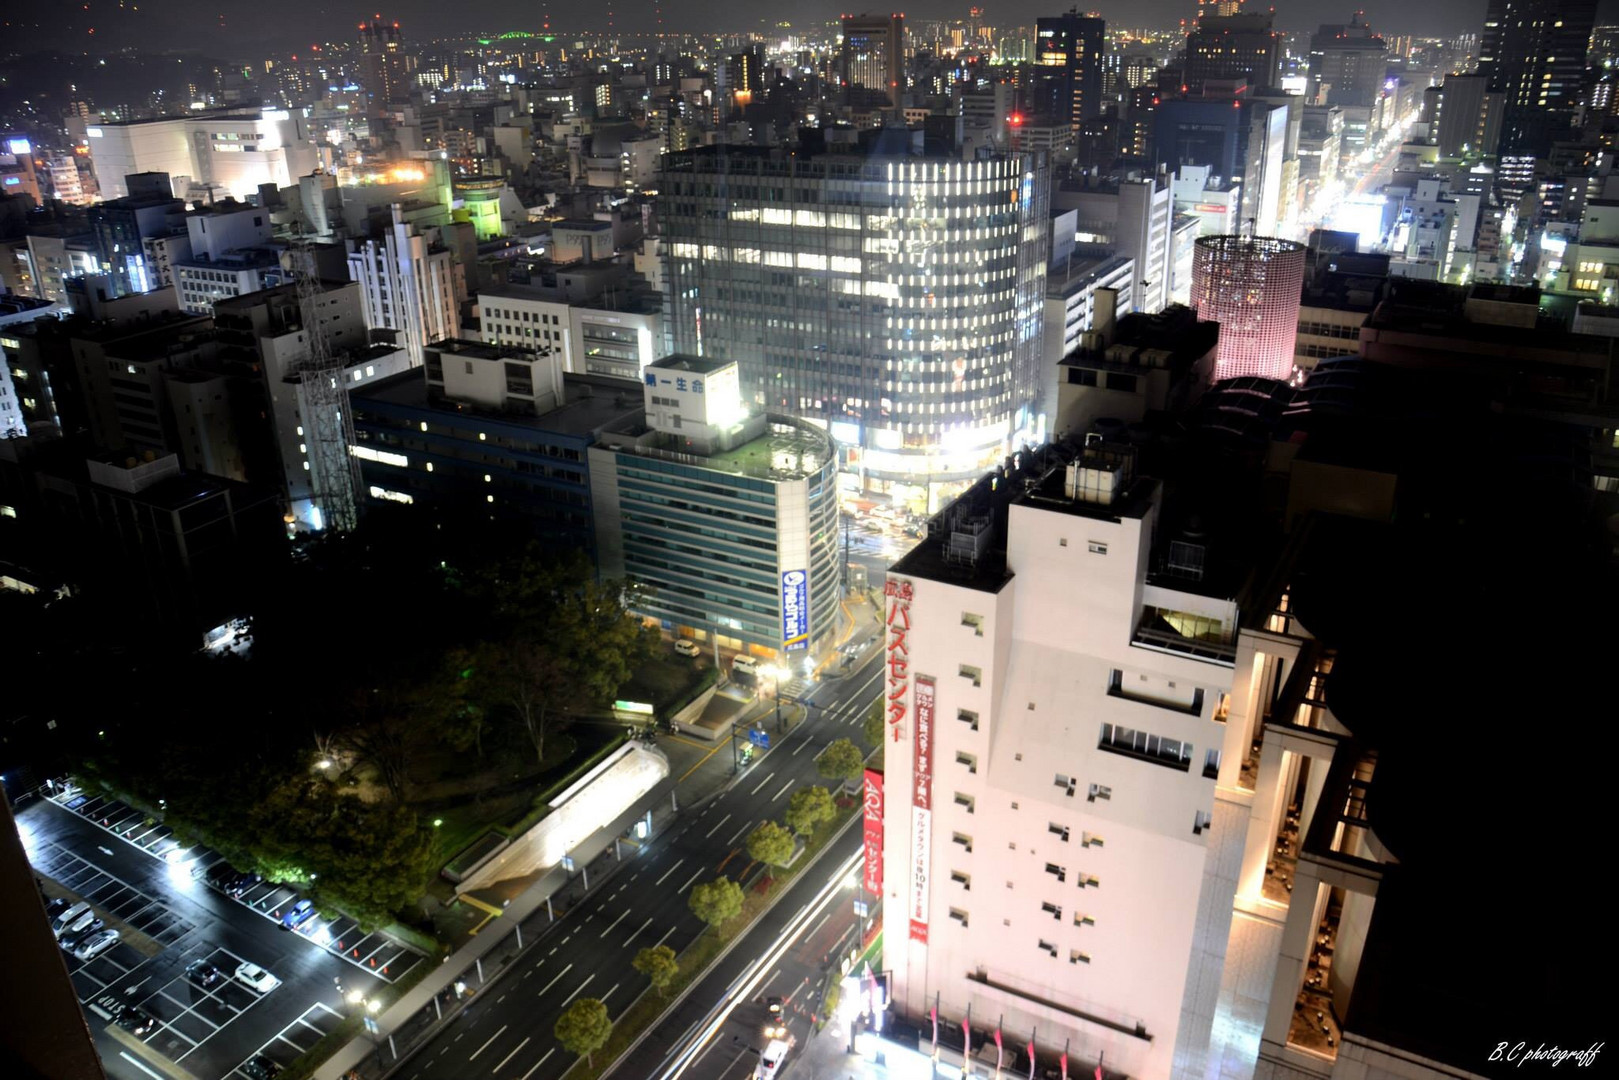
(323, 404)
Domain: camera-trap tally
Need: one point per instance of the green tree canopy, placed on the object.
(872, 728)
(841, 761)
(657, 963)
(771, 844)
(583, 1027)
(716, 902)
(808, 808)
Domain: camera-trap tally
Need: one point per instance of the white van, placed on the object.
(771, 1059)
(744, 669)
(69, 917)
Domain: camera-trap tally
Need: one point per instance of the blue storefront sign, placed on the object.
(795, 609)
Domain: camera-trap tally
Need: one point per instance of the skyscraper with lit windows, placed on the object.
(1533, 51)
(1068, 50)
(874, 54)
(891, 293)
(384, 67)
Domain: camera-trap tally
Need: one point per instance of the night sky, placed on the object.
(221, 25)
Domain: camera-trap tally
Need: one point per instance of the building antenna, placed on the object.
(323, 405)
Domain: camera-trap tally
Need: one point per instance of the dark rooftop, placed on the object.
(593, 403)
(697, 365)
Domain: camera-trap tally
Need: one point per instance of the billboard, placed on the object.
(795, 609)
(873, 831)
(921, 808)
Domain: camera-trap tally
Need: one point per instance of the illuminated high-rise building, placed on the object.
(1347, 64)
(1243, 46)
(1251, 286)
(1534, 52)
(1068, 50)
(874, 54)
(892, 294)
(384, 67)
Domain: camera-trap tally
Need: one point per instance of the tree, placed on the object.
(583, 1028)
(771, 844)
(717, 902)
(808, 808)
(657, 963)
(873, 727)
(841, 761)
(465, 720)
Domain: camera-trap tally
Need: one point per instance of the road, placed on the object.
(177, 920)
(717, 1031)
(506, 1034)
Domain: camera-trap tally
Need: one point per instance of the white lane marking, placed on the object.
(762, 783)
(801, 744)
(770, 980)
(537, 1064)
(638, 929)
(614, 923)
(665, 937)
(739, 833)
(689, 880)
(577, 991)
(553, 982)
(609, 993)
(783, 791)
(135, 1063)
(717, 825)
(487, 1041)
(511, 1055)
(669, 871)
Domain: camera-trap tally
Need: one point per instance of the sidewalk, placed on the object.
(697, 773)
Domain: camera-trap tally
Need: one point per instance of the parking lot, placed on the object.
(375, 953)
(297, 1037)
(188, 1015)
(109, 896)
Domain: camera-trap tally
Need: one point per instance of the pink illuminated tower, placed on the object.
(1251, 287)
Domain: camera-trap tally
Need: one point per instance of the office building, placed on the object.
(1129, 216)
(488, 433)
(1251, 286)
(1130, 367)
(1533, 51)
(123, 226)
(1467, 117)
(384, 64)
(410, 282)
(230, 255)
(228, 151)
(1068, 52)
(1243, 137)
(616, 333)
(1061, 653)
(751, 556)
(912, 329)
(873, 55)
(1348, 65)
(1226, 47)
(1076, 287)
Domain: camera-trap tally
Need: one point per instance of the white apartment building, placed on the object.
(1058, 679)
(234, 149)
(1126, 217)
(408, 283)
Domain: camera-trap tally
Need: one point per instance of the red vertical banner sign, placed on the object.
(873, 830)
(921, 808)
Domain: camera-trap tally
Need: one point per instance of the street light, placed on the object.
(776, 674)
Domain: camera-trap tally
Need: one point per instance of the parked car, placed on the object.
(203, 974)
(687, 647)
(260, 1067)
(237, 886)
(53, 908)
(297, 915)
(96, 944)
(256, 977)
(216, 876)
(69, 917)
(79, 932)
(135, 1020)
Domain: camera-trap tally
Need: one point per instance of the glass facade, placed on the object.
(896, 296)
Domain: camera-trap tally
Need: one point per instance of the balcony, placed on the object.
(1188, 636)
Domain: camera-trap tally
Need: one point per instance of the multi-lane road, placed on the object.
(506, 1033)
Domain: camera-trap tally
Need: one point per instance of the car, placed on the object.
(298, 914)
(775, 1023)
(260, 1067)
(202, 973)
(79, 932)
(687, 647)
(69, 917)
(256, 977)
(238, 886)
(216, 876)
(96, 944)
(55, 907)
(136, 1021)
(771, 1059)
